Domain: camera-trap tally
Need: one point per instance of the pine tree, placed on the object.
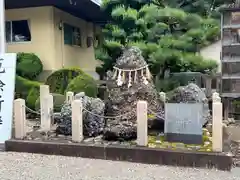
(169, 38)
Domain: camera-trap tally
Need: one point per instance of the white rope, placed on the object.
(130, 70)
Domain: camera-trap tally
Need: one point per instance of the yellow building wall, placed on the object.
(40, 24)
(82, 57)
(47, 39)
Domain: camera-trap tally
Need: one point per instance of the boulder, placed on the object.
(93, 121)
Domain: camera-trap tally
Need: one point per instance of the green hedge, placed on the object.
(58, 101)
(59, 80)
(83, 83)
(29, 65)
(28, 90)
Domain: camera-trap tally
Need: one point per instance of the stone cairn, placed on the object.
(129, 83)
(93, 121)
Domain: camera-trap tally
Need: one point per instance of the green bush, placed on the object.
(32, 97)
(23, 86)
(58, 101)
(166, 85)
(59, 80)
(28, 65)
(83, 83)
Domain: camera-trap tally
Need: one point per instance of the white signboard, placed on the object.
(7, 87)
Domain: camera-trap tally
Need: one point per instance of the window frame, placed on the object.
(11, 32)
(74, 37)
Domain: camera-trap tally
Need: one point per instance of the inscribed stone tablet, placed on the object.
(183, 122)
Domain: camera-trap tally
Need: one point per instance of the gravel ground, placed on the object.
(23, 166)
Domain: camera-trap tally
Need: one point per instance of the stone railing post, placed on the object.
(77, 121)
(142, 123)
(162, 96)
(69, 97)
(19, 118)
(46, 113)
(217, 125)
(51, 106)
(44, 93)
(208, 86)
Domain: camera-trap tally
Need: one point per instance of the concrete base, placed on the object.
(136, 154)
(184, 138)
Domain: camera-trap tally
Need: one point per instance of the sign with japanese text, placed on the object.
(7, 87)
(183, 122)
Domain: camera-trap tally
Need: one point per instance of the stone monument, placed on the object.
(183, 122)
(129, 82)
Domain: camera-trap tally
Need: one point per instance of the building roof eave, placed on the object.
(88, 10)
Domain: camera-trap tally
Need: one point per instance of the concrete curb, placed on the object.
(136, 154)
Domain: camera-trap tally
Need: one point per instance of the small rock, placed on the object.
(207, 143)
(208, 134)
(209, 127)
(88, 140)
(226, 122)
(115, 142)
(98, 138)
(151, 145)
(231, 120)
(179, 145)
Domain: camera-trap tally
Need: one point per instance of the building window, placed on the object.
(17, 31)
(72, 35)
(235, 18)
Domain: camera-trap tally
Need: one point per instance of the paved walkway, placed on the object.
(22, 166)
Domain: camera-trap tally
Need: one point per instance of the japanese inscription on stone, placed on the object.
(2, 84)
(183, 122)
(7, 86)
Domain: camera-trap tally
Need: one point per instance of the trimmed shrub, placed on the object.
(58, 101)
(85, 84)
(28, 65)
(59, 80)
(32, 97)
(23, 86)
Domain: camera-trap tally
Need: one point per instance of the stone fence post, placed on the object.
(51, 107)
(163, 96)
(44, 93)
(69, 97)
(77, 121)
(46, 113)
(217, 125)
(142, 123)
(19, 118)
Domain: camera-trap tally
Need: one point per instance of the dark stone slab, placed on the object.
(184, 138)
(169, 157)
(145, 155)
(55, 148)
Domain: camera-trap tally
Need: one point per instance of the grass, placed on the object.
(155, 141)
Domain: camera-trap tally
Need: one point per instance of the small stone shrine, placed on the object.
(130, 82)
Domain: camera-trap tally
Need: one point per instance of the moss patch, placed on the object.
(155, 141)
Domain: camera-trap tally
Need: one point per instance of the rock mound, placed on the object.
(123, 97)
(190, 94)
(93, 121)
